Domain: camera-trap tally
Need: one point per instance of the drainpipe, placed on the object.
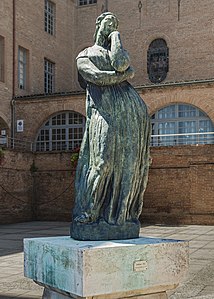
(14, 77)
(13, 108)
(106, 5)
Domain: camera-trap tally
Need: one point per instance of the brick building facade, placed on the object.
(170, 44)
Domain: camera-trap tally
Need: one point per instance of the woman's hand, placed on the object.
(118, 56)
(113, 35)
(130, 72)
(127, 75)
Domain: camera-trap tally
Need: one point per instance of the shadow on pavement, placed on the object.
(12, 235)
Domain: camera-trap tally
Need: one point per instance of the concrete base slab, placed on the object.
(105, 269)
(48, 294)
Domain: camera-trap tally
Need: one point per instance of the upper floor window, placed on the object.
(157, 60)
(181, 124)
(2, 58)
(49, 17)
(63, 131)
(49, 76)
(22, 68)
(86, 2)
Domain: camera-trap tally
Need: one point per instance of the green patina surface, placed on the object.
(89, 268)
(113, 164)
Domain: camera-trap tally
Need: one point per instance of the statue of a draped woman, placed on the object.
(112, 170)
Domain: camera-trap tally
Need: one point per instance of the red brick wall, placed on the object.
(16, 188)
(35, 187)
(54, 186)
(180, 187)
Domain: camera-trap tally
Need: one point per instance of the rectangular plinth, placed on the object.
(92, 268)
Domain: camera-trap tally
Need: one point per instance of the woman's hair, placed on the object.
(100, 19)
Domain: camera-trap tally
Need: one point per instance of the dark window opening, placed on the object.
(157, 61)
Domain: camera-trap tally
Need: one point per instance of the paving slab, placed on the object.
(197, 244)
(209, 245)
(198, 285)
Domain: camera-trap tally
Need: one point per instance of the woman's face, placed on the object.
(108, 25)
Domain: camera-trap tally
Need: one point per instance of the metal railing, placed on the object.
(156, 140)
(182, 139)
(14, 143)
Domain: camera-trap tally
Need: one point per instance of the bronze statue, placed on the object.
(112, 170)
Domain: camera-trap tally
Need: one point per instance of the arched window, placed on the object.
(4, 132)
(181, 124)
(157, 60)
(62, 132)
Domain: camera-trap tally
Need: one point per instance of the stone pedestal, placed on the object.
(137, 268)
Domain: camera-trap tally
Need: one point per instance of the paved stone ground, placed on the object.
(198, 285)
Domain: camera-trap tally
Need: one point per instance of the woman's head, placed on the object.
(105, 24)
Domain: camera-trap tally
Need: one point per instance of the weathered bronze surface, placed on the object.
(113, 165)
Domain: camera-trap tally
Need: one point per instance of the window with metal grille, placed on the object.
(181, 124)
(22, 68)
(62, 132)
(49, 17)
(86, 2)
(49, 76)
(2, 58)
(157, 61)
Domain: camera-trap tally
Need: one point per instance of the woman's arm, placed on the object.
(92, 74)
(119, 57)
